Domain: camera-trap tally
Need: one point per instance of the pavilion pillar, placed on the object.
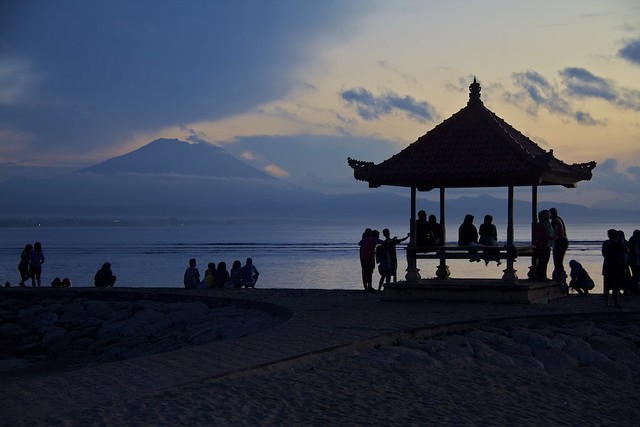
(412, 275)
(510, 275)
(442, 272)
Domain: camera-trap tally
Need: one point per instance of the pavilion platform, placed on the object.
(474, 290)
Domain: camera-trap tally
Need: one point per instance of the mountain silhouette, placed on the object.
(172, 156)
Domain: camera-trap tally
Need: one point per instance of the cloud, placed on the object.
(535, 93)
(631, 51)
(276, 171)
(581, 83)
(371, 107)
(109, 70)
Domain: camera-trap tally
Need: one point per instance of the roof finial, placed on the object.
(474, 92)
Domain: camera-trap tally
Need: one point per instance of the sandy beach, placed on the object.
(314, 357)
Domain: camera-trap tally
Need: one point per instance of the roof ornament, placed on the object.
(474, 93)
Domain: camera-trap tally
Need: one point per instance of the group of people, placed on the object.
(30, 265)
(621, 264)
(217, 276)
(549, 233)
(374, 250)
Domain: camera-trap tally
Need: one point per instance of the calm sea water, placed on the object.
(296, 256)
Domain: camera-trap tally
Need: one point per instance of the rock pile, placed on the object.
(76, 331)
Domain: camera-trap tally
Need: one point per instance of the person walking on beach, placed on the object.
(383, 260)
(390, 245)
(23, 265)
(104, 277)
(370, 239)
(613, 252)
(249, 274)
(36, 259)
(191, 275)
(560, 245)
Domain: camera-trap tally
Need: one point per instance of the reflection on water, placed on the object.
(324, 257)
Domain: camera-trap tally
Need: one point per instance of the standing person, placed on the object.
(36, 259)
(613, 251)
(384, 264)
(560, 245)
(191, 275)
(104, 277)
(543, 236)
(370, 239)
(390, 245)
(249, 274)
(634, 260)
(626, 279)
(23, 265)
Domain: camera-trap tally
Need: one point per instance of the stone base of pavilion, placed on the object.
(474, 290)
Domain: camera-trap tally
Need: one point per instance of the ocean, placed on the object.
(287, 255)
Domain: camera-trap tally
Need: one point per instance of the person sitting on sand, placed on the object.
(580, 281)
(223, 279)
(249, 274)
(210, 275)
(104, 278)
(236, 274)
(191, 275)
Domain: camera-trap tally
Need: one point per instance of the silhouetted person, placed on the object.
(543, 236)
(249, 274)
(223, 279)
(210, 275)
(36, 259)
(489, 237)
(104, 277)
(488, 232)
(191, 275)
(424, 234)
(613, 251)
(626, 279)
(390, 244)
(467, 232)
(580, 279)
(634, 260)
(23, 265)
(437, 230)
(384, 264)
(236, 274)
(560, 245)
(370, 239)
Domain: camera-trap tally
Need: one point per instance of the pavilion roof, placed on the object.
(472, 148)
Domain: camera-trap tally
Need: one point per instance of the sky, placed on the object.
(293, 87)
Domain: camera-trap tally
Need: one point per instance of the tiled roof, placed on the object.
(472, 148)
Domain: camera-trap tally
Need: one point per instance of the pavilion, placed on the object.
(472, 148)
